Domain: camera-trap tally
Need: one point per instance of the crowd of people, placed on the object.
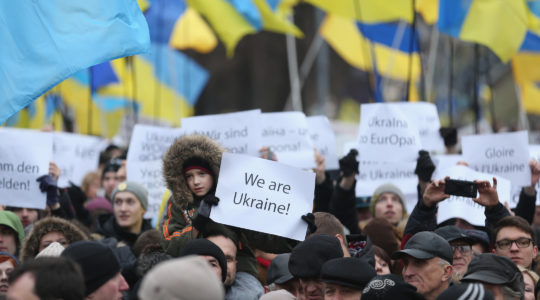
(93, 242)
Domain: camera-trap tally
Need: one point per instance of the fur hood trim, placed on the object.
(182, 149)
(50, 224)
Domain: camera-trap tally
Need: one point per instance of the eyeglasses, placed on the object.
(507, 244)
(462, 248)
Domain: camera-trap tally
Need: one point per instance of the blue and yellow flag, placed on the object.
(44, 42)
(233, 19)
(500, 25)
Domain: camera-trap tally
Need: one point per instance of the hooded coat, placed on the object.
(182, 206)
(30, 247)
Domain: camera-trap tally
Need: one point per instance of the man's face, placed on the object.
(520, 256)
(111, 289)
(7, 239)
(26, 215)
(214, 264)
(428, 276)
(313, 288)
(109, 183)
(389, 207)
(5, 268)
(338, 292)
(463, 255)
(51, 237)
(22, 288)
(128, 211)
(229, 249)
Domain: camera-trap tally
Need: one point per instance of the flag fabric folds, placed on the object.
(44, 42)
(368, 11)
(501, 25)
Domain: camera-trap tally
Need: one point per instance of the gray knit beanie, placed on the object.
(138, 190)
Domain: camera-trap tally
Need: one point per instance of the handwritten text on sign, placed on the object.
(503, 154)
(21, 165)
(257, 194)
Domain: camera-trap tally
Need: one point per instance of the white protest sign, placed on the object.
(75, 155)
(372, 175)
(427, 121)
(286, 134)
(466, 208)
(263, 195)
(503, 154)
(238, 132)
(24, 156)
(443, 162)
(323, 138)
(534, 151)
(387, 134)
(144, 161)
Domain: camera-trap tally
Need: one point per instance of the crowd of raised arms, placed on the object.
(93, 242)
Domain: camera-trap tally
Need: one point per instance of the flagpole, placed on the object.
(491, 100)
(134, 90)
(293, 71)
(451, 84)
(89, 121)
(411, 41)
(476, 106)
(368, 53)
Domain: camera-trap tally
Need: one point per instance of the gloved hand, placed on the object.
(205, 207)
(309, 218)
(424, 166)
(348, 164)
(47, 184)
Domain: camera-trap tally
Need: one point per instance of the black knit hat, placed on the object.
(308, 257)
(347, 271)
(390, 287)
(97, 261)
(206, 247)
(197, 163)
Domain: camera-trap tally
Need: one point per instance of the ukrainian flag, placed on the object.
(233, 19)
(501, 25)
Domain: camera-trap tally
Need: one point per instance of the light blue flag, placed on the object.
(44, 42)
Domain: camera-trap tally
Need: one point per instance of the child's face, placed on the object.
(199, 182)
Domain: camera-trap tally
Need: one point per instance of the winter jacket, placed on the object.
(107, 227)
(182, 206)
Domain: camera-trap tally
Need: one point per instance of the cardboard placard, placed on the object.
(324, 139)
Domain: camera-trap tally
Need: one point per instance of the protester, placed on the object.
(279, 295)
(101, 270)
(47, 231)
(389, 287)
(461, 247)
(108, 177)
(7, 263)
(327, 223)
(388, 202)
(345, 278)
(27, 216)
(46, 278)
(498, 274)
(480, 240)
(278, 277)
(211, 253)
(11, 233)
(427, 263)
(307, 259)
(130, 202)
(383, 263)
(514, 238)
(530, 278)
(188, 277)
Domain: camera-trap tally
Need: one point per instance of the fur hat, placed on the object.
(182, 150)
(188, 277)
(387, 188)
(30, 247)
